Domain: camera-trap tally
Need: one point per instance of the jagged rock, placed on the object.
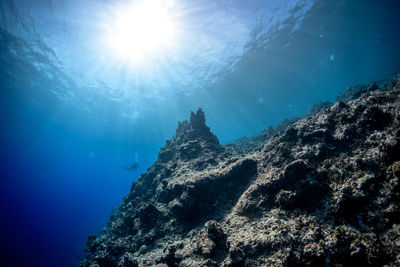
(318, 107)
(210, 240)
(319, 191)
(149, 214)
(245, 145)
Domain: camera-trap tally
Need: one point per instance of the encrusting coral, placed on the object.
(319, 191)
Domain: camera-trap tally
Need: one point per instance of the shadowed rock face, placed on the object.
(320, 191)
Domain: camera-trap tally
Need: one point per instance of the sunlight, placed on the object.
(141, 31)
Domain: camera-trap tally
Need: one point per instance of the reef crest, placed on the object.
(322, 190)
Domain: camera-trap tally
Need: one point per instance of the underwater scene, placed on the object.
(199, 133)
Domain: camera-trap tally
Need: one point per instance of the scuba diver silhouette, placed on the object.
(133, 167)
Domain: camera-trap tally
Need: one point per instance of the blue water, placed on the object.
(73, 114)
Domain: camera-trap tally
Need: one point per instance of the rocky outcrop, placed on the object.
(246, 145)
(324, 191)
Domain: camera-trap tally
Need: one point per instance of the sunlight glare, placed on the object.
(142, 30)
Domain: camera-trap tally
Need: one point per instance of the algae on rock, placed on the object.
(319, 191)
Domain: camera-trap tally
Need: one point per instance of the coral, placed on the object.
(322, 190)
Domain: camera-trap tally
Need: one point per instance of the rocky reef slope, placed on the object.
(321, 191)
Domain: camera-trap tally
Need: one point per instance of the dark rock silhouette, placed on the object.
(319, 191)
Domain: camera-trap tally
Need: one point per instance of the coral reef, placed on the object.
(319, 191)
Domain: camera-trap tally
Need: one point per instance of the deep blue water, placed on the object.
(73, 114)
